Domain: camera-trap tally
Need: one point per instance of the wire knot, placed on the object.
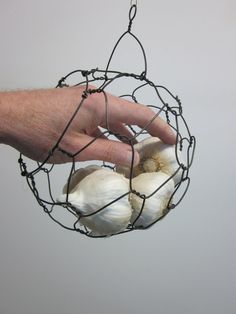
(132, 14)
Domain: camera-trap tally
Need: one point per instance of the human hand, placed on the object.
(33, 122)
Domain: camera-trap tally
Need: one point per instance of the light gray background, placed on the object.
(186, 263)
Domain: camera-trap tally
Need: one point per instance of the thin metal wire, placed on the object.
(133, 2)
(173, 114)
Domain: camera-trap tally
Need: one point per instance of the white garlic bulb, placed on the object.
(78, 176)
(155, 205)
(155, 156)
(97, 190)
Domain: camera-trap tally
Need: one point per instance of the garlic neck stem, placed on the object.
(150, 165)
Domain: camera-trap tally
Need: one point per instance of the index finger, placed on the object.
(124, 111)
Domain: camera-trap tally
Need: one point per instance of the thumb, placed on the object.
(107, 150)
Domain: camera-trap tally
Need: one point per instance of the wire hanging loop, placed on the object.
(132, 14)
(132, 2)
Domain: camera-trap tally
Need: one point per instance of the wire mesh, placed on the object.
(170, 110)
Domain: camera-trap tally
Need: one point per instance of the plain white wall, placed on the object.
(184, 264)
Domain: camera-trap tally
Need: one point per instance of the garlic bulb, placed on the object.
(155, 205)
(78, 176)
(155, 156)
(97, 190)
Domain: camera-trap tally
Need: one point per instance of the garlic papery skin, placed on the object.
(155, 156)
(154, 206)
(101, 190)
(78, 176)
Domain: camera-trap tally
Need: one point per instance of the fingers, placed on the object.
(121, 129)
(85, 147)
(127, 112)
(98, 133)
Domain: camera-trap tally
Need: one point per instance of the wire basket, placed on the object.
(44, 179)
